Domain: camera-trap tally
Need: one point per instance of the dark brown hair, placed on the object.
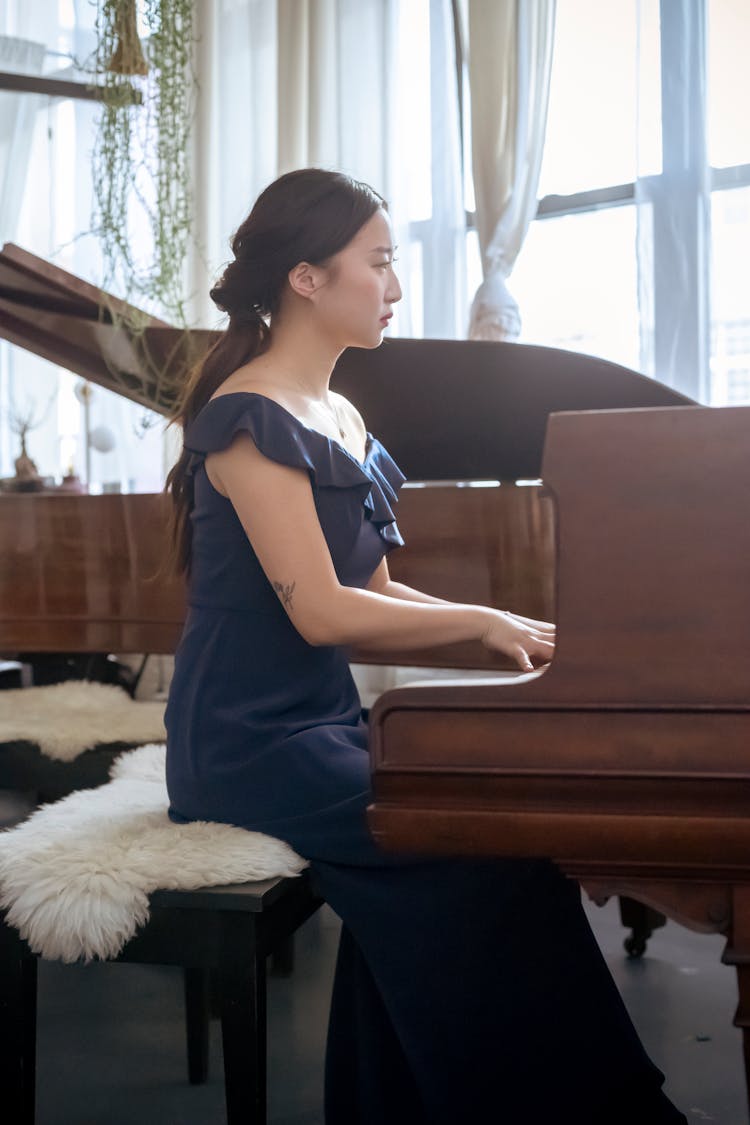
(304, 216)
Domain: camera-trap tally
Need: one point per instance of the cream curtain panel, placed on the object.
(291, 83)
(308, 82)
(510, 63)
(286, 84)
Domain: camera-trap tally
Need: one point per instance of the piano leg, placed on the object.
(737, 953)
(641, 920)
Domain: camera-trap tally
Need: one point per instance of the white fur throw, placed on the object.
(76, 876)
(66, 719)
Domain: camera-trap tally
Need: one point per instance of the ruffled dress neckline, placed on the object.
(282, 437)
(369, 440)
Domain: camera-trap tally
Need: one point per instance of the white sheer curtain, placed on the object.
(442, 240)
(292, 83)
(285, 84)
(17, 114)
(510, 62)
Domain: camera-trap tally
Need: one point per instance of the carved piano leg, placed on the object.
(641, 920)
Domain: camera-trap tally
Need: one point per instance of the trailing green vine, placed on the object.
(141, 159)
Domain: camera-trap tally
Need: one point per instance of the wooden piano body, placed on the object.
(79, 573)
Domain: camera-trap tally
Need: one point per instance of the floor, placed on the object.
(111, 1048)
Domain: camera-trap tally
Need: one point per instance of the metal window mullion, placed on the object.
(615, 195)
(437, 252)
(737, 175)
(681, 231)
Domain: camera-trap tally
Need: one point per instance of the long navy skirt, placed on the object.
(468, 991)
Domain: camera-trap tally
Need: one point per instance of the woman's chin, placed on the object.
(376, 339)
(368, 340)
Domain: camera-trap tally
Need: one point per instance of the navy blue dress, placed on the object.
(465, 990)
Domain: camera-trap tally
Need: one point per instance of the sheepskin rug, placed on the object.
(66, 719)
(75, 877)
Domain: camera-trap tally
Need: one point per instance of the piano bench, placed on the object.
(221, 936)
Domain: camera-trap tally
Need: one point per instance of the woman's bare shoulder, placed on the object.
(354, 420)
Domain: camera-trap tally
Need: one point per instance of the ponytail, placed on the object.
(243, 340)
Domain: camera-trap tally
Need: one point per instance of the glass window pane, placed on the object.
(414, 120)
(728, 82)
(575, 283)
(592, 125)
(730, 297)
(415, 269)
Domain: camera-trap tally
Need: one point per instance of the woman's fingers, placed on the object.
(539, 650)
(523, 659)
(525, 652)
(543, 647)
(542, 626)
(525, 643)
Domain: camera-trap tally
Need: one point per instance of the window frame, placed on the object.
(683, 40)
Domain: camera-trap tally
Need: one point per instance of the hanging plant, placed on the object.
(141, 166)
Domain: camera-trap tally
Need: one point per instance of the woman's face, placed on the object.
(354, 302)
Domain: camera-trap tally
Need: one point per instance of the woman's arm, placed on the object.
(382, 583)
(276, 508)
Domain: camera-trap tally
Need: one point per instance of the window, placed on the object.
(638, 160)
(426, 151)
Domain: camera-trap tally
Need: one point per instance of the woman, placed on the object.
(465, 990)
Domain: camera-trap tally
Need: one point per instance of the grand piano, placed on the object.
(627, 760)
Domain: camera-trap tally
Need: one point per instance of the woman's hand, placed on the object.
(525, 640)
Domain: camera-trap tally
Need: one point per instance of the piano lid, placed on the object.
(70, 322)
(478, 410)
(446, 409)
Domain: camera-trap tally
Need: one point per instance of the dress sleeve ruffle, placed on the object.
(283, 438)
(386, 478)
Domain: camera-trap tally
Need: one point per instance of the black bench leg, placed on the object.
(282, 958)
(241, 994)
(17, 1029)
(197, 1013)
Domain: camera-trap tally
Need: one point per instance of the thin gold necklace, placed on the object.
(330, 407)
(339, 427)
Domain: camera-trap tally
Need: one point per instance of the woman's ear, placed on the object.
(305, 280)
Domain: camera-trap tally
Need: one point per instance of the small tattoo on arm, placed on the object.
(285, 593)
